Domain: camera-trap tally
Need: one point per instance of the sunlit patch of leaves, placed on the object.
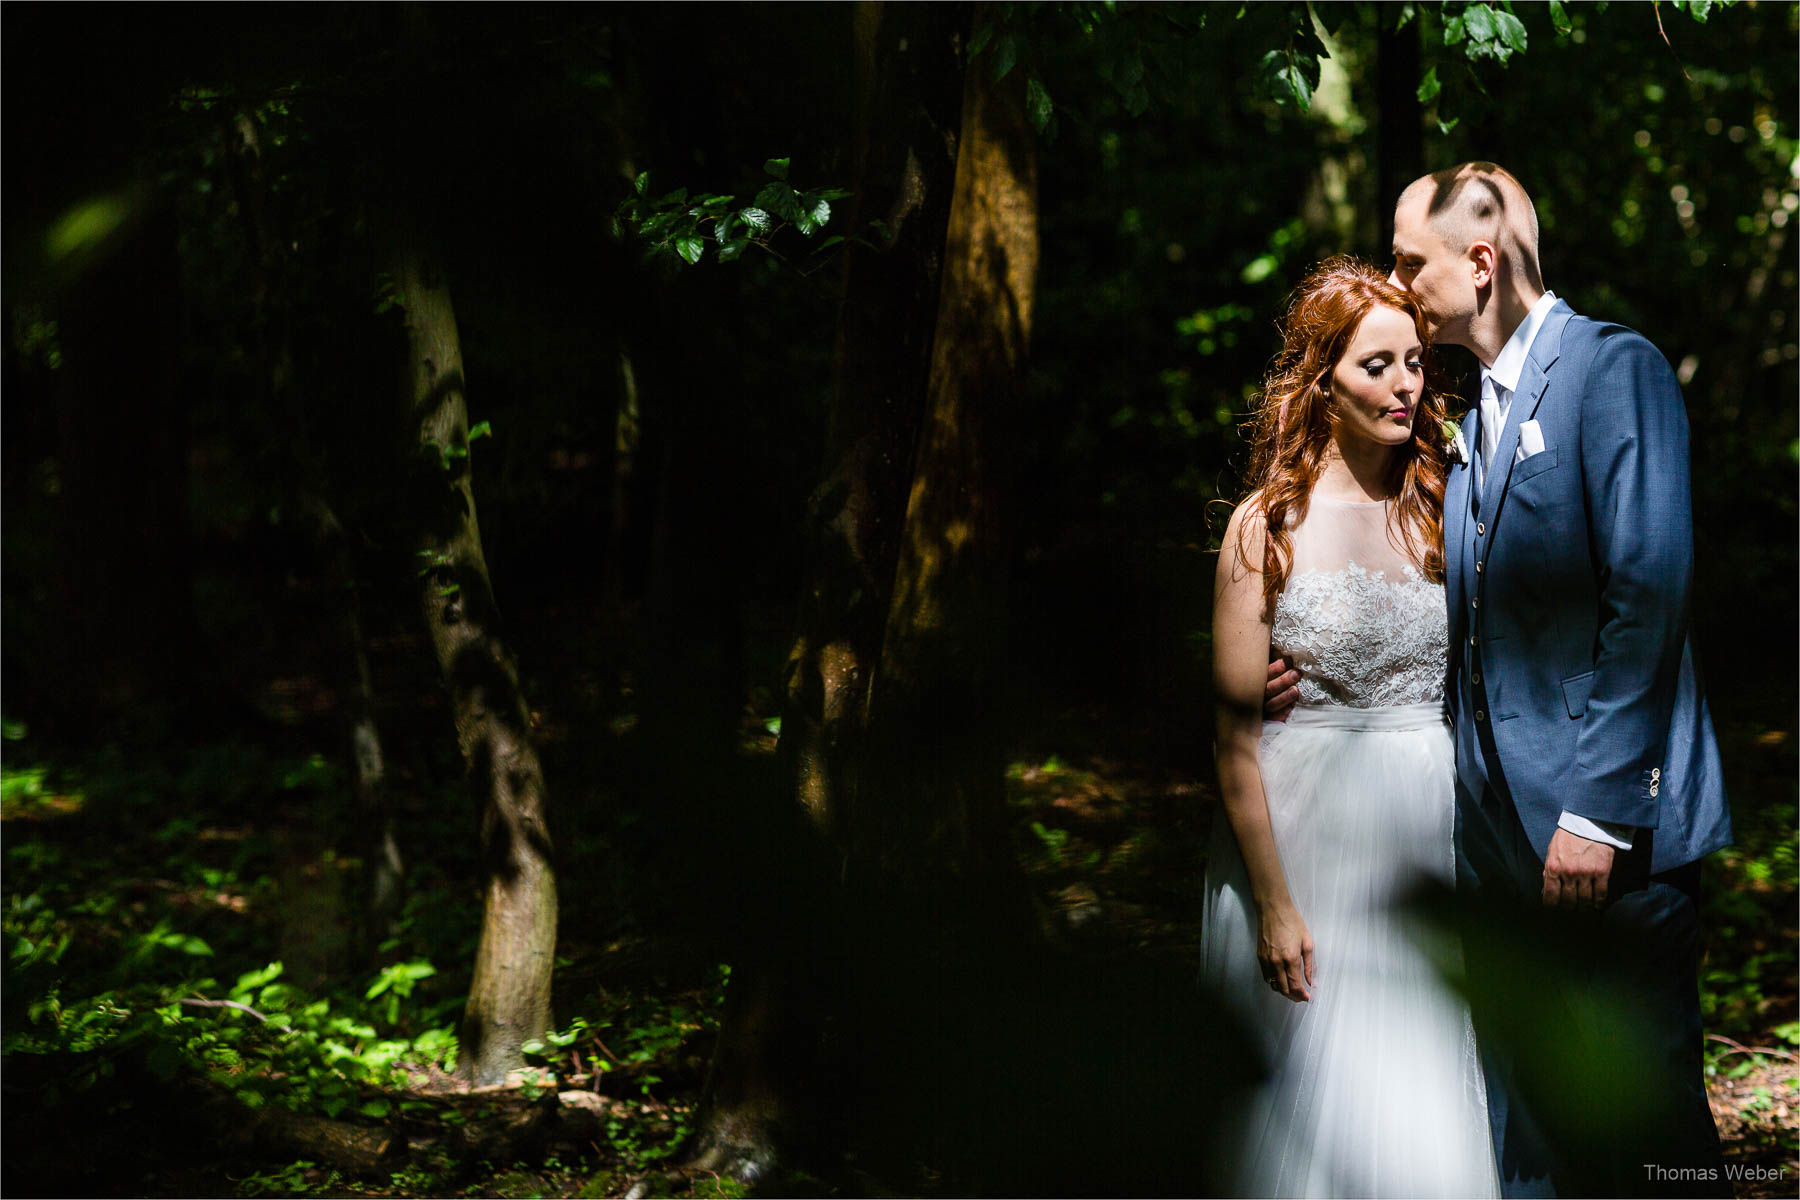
(683, 227)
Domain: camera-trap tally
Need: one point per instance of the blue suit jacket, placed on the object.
(1568, 585)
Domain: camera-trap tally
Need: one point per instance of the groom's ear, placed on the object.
(1483, 261)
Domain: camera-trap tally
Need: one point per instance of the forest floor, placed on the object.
(142, 998)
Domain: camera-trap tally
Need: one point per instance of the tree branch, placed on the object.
(1739, 1048)
(198, 1002)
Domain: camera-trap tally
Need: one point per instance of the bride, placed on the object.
(1336, 559)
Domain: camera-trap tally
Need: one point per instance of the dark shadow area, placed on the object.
(211, 495)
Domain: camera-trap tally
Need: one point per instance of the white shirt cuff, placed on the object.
(1617, 836)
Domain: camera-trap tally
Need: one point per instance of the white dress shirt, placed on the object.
(1499, 380)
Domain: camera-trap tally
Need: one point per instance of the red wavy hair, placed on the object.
(1292, 418)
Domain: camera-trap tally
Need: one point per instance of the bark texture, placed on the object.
(509, 1000)
(766, 1093)
(935, 704)
(909, 101)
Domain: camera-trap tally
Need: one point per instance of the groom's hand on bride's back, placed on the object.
(1282, 691)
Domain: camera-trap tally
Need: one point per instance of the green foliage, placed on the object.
(1485, 32)
(458, 450)
(92, 969)
(1053, 840)
(396, 982)
(289, 1180)
(36, 336)
(676, 224)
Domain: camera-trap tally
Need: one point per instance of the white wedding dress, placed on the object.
(1375, 1088)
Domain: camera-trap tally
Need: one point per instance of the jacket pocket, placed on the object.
(1537, 464)
(1575, 693)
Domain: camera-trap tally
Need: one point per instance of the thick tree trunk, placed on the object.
(934, 708)
(943, 915)
(909, 106)
(509, 1000)
(766, 1092)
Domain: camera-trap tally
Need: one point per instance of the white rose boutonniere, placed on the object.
(1453, 438)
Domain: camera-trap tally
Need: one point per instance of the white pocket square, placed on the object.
(1531, 441)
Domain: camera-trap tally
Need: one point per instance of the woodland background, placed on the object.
(836, 401)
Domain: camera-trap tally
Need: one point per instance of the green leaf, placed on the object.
(1453, 30)
(1511, 30)
(757, 219)
(1005, 55)
(642, 183)
(480, 429)
(1559, 19)
(1697, 9)
(250, 981)
(722, 231)
(1287, 79)
(982, 37)
(733, 249)
(1447, 126)
(816, 210)
(829, 242)
(778, 167)
(1037, 103)
(444, 593)
(1429, 87)
(690, 248)
(782, 200)
(1478, 23)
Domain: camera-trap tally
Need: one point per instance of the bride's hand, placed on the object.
(1284, 949)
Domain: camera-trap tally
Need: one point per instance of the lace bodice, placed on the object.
(1358, 620)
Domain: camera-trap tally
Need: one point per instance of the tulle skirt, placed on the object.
(1375, 1086)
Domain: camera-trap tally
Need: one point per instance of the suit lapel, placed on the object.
(1459, 490)
(1545, 349)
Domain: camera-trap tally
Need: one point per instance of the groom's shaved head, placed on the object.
(1481, 202)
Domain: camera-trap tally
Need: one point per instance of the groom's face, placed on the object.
(1438, 277)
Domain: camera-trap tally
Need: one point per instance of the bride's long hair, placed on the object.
(1292, 418)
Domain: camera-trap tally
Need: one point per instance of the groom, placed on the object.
(1588, 783)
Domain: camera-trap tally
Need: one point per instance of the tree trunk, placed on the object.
(509, 999)
(944, 918)
(934, 708)
(766, 1091)
(909, 102)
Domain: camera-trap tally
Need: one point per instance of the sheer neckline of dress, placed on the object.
(1410, 573)
(1315, 497)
